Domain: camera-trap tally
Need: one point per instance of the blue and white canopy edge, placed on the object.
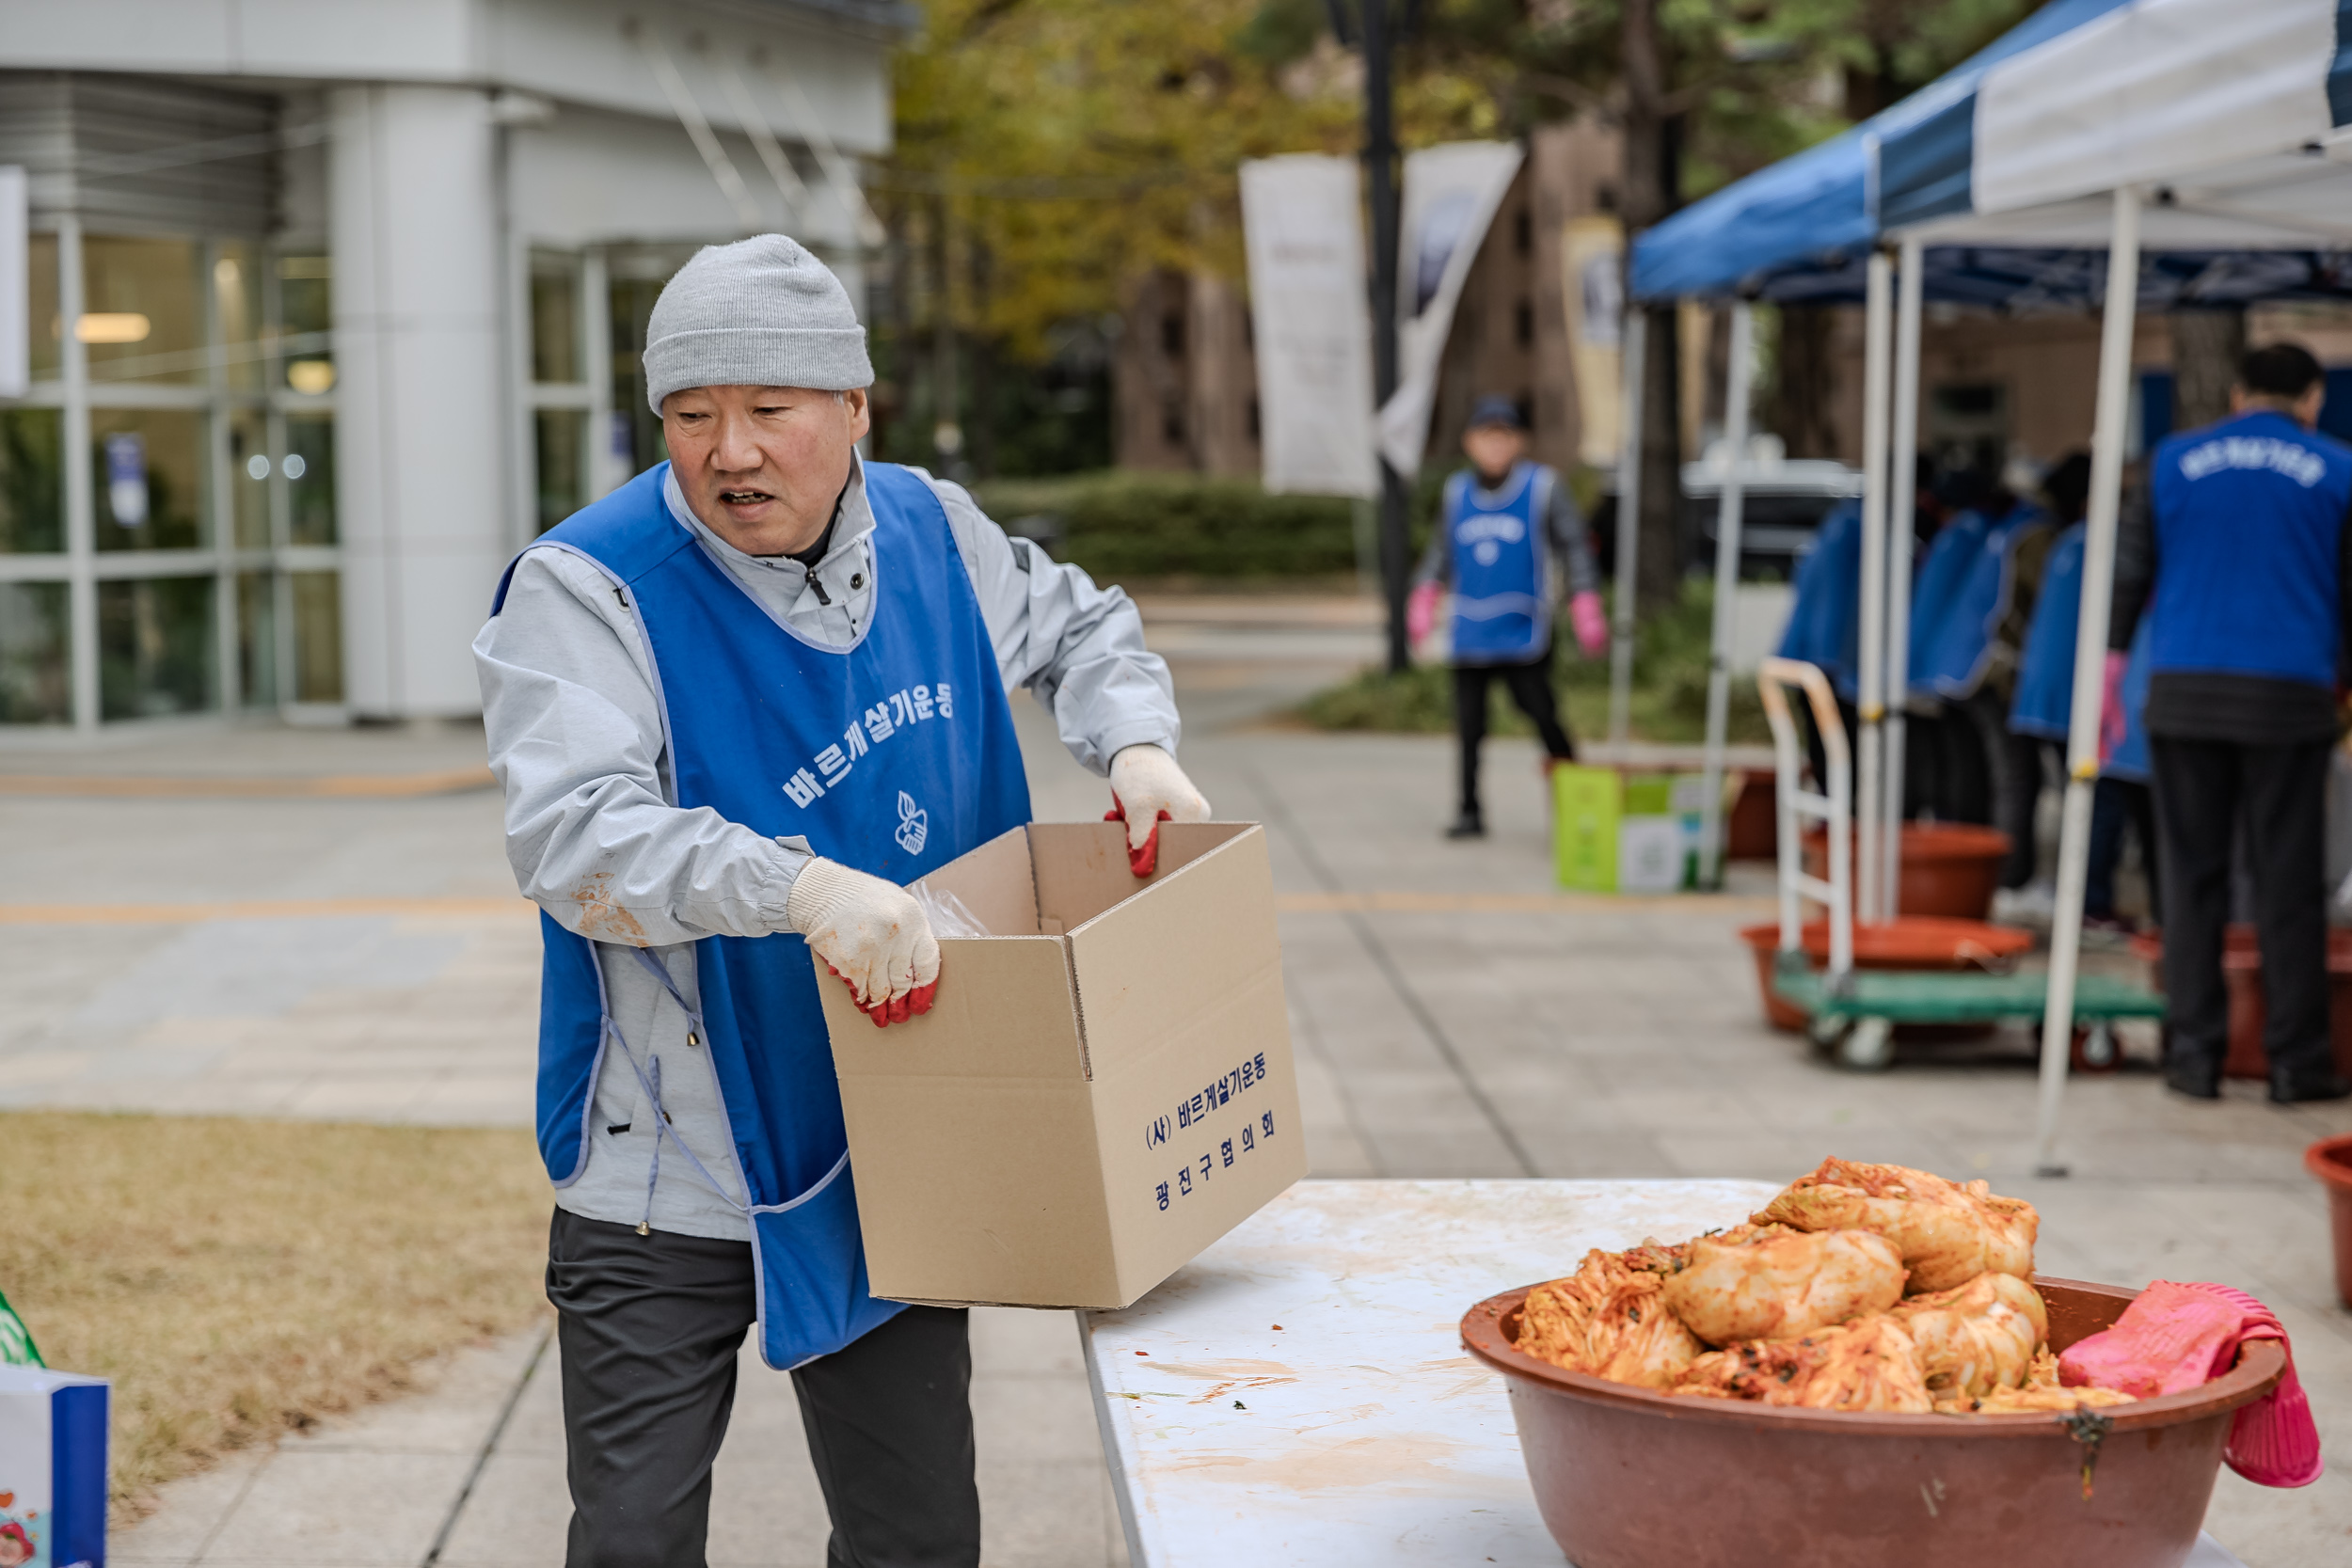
(2228, 109)
(1814, 213)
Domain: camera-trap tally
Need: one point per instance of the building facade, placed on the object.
(334, 304)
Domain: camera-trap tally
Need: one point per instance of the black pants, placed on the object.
(649, 1327)
(2205, 791)
(1529, 685)
(2117, 804)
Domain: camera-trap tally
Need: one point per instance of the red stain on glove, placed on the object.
(2173, 1337)
(1144, 861)
(889, 1011)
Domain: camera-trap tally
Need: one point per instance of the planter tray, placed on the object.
(1902, 996)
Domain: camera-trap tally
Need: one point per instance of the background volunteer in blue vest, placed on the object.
(1506, 527)
(758, 365)
(2240, 560)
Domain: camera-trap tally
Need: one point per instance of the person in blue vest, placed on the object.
(2043, 711)
(1508, 531)
(2240, 561)
(734, 706)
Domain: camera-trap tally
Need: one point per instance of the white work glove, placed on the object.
(869, 932)
(1147, 789)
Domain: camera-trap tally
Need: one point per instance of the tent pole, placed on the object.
(1737, 373)
(1628, 526)
(2090, 655)
(1902, 491)
(1871, 698)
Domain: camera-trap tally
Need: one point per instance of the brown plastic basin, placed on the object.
(2242, 970)
(1629, 1478)
(2331, 1160)
(1914, 942)
(1949, 868)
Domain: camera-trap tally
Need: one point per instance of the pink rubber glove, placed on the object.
(1421, 611)
(2113, 720)
(1592, 626)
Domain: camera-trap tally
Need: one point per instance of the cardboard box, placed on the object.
(1102, 1088)
(52, 1468)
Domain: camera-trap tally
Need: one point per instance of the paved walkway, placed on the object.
(364, 957)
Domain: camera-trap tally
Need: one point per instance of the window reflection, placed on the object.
(32, 501)
(257, 638)
(148, 471)
(559, 434)
(309, 468)
(36, 686)
(154, 647)
(306, 313)
(237, 312)
(44, 319)
(142, 317)
(555, 355)
(249, 469)
(318, 628)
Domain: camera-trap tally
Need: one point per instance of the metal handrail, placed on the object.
(1835, 808)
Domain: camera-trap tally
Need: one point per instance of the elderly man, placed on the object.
(734, 706)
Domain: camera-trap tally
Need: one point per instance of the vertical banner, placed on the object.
(1592, 265)
(1302, 223)
(16, 345)
(1451, 195)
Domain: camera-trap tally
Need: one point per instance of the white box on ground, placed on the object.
(53, 1467)
(1651, 851)
(1102, 1088)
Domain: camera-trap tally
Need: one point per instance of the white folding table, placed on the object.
(1299, 1394)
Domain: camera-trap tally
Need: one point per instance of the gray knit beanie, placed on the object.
(759, 312)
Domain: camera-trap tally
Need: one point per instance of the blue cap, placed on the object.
(1495, 411)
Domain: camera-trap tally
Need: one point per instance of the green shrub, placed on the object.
(1123, 526)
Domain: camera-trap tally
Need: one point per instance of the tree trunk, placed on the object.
(1801, 389)
(2206, 347)
(1646, 194)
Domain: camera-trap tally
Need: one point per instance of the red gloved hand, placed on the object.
(2113, 720)
(871, 935)
(1591, 622)
(1421, 612)
(1148, 777)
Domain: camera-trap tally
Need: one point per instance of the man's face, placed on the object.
(1494, 447)
(762, 466)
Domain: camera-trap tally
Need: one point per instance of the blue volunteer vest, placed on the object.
(895, 756)
(2043, 707)
(1951, 658)
(2249, 516)
(1502, 606)
(1824, 619)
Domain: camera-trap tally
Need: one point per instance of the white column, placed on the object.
(1871, 677)
(1903, 493)
(1728, 516)
(420, 469)
(2091, 658)
(1628, 526)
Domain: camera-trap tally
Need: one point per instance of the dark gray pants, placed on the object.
(649, 1327)
(2205, 791)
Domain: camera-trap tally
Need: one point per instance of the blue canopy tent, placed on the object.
(2136, 152)
(2205, 146)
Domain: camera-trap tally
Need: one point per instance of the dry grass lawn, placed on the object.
(238, 1279)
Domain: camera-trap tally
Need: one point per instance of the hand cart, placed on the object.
(1854, 1013)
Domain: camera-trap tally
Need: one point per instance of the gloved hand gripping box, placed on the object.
(1102, 1088)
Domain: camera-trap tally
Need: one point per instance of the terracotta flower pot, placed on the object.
(2331, 1160)
(1950, 869)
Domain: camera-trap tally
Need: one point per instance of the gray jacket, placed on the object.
(595, 839)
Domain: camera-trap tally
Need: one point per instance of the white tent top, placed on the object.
(2229, 110)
